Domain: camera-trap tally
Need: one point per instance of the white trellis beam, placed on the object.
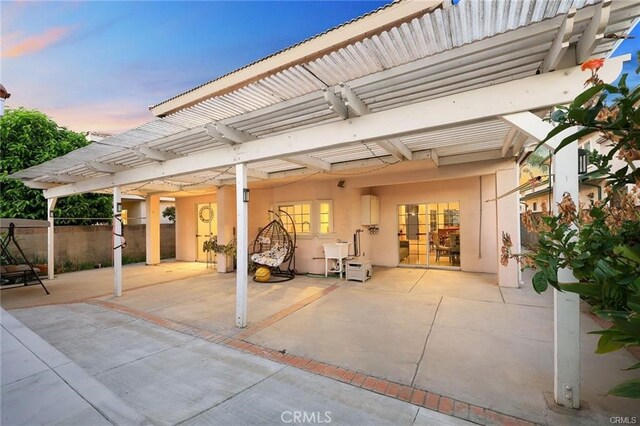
(353, 102)
(396, 148)
(508, 140)
(529, 93)
(154, 154)
(560, 43)
(104, 167)
(309, 162)
(594, 31)
(227, 134)
(336, 104)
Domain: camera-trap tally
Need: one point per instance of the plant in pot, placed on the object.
(225, 253)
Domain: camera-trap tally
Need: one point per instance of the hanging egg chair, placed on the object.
(274, 248)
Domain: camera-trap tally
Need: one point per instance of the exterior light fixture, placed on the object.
(245, 195)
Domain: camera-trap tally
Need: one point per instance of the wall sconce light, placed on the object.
(245, 195)
(119, 207)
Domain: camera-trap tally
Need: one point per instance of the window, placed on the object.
(308, 217)
(325, 217)
(535, 206)
(301, 215)
(124, 216)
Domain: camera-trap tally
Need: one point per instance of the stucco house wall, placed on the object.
(479, 242)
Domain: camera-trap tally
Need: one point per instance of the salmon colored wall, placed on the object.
(381, 249)
(186, 224)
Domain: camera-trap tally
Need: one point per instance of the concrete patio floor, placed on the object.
(453, 333)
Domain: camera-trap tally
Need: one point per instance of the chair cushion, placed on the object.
(273, 257)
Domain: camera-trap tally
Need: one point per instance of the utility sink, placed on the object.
(336, 250)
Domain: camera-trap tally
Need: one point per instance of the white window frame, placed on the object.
(330, 221)
(281, 204)
(314, 218)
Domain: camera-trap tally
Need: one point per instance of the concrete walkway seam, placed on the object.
(416, 396)
(107, 403)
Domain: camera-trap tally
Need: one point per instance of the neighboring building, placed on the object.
(134, 209)
(537, 197)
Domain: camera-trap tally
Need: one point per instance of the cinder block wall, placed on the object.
(90, 245)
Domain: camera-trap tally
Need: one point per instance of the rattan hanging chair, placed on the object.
(274, 248)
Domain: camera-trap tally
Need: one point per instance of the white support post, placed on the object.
(566, 306)
(51, 204)
(242, 223)
(152, 229)
(117, 243)
(507, 214)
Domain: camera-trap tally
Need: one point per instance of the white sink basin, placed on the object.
(336, 250)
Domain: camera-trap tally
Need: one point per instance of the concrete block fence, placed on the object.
(82, 247)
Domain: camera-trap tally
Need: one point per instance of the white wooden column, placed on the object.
(242, 223)
(507, 214)
(152, 229)
(566, 306)
(117, 243)
(51, 204)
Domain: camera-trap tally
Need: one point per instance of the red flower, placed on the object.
(593, 64)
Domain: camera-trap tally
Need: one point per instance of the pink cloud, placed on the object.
(113, 116)
(34, 43)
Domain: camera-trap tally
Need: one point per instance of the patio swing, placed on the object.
(14, 270)
(274, 248)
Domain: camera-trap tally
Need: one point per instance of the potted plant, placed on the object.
(225, 253)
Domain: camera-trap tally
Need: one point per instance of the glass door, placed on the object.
(207, 227)
(412, 234)
(444, 234)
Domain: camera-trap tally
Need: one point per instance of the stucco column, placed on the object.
(226, 211)
(152, 229)
(507, 213)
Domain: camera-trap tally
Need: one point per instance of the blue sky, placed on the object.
(99, 65)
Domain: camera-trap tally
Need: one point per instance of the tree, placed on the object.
(600, 242)
(29, 138)
(170, 213)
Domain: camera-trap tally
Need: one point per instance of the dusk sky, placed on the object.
(99, 65)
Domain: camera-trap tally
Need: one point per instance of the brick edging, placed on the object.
(412, 395)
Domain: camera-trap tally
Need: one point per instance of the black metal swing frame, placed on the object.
(26, 275)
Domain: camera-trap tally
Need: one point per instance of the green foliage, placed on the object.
(212, 245)
(29, 138)
(170, 213)
(600, 243)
